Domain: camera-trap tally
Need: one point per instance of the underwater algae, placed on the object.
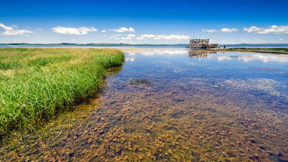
(137, 124)
(180, 116)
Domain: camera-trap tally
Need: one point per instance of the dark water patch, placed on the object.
(139, 82)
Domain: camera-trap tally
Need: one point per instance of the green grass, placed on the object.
(48, 60)
(35, 83)
(9, 65)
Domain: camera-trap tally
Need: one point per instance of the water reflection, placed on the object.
(160, 108)
(200, 54)
(151, 52)
(270, 86)
(130, 58)
(223, 58)
(264, 58)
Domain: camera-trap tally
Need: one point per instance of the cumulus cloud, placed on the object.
(123, 36)
(11, 31)
(145, 36)
(73, 31)
(223, 30)
(124, 29)
(5, 27)
(209, 30)
(274, 29)
(129, 36)
(104, 31)
(163, 37)
(229, 30)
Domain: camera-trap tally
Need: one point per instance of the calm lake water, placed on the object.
(172, 105)
(157, 46)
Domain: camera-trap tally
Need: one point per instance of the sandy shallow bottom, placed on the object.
(167, 118)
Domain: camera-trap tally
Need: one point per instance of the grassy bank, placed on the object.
(38, 82)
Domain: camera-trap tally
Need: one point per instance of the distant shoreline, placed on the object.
(258, 50)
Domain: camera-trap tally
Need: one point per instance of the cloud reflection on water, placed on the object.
(270, 86)
(152, 52)
(223, 58)
(264, 58)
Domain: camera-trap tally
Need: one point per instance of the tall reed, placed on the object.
(47, 80)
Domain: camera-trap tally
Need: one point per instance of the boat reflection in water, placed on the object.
(200, 53)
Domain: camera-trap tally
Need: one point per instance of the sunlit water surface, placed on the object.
(172, 105)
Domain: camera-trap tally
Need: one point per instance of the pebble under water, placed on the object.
(173, 105)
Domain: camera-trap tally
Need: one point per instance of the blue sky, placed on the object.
(150, 21)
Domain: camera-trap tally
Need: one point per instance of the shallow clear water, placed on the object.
(175, 105)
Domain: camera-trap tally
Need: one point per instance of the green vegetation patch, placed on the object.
(9, 65)
(48, 60)
(35, 93)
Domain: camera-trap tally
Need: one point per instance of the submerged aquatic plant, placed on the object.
(139, 82)
(48, 80)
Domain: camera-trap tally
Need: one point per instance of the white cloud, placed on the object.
(274, 29)
(5, 27)
(123, 36)
(116, 36)
(104, 31)
(10, 31)
(73, 31)
(227, 30)
(129, 36)
(223, 30)
(163, 37)
(145, 36)
(124, 29)
(209, 30)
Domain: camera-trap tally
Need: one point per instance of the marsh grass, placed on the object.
(9, 65)
(36, 83)
(48, 60)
